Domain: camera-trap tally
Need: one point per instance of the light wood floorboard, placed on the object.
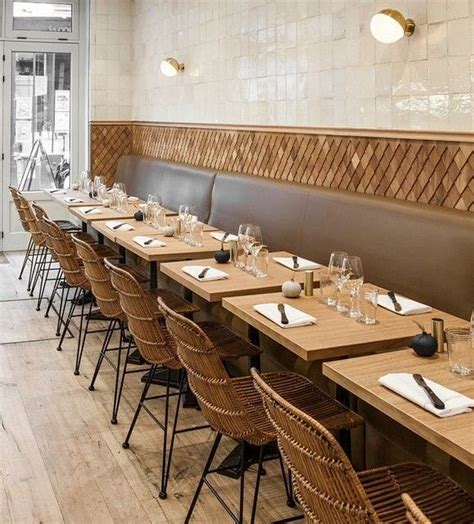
(62, 460)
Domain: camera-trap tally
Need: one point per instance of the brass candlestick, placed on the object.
(437, 331)
(308, 283)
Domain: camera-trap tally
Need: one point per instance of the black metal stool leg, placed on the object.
(32, 264)
(162, 493)
(53, 294)
(146, 387)
(207, 467)
(118, 392)
(62, 309)
(25, 260)
(103, 350)
(257, 484)
(113, 420)
(81, 340)
(38, 269)
(242, 482)
(44, 281)
(290, 501)
(68, 321)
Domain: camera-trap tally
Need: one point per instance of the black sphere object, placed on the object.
(222, 256)
(138, 216)
(424, 345)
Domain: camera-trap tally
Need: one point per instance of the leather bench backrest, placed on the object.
(277, 207)
(175, 183)
(421, 251)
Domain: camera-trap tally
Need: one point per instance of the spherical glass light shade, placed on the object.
(170, 67)
(388, 26)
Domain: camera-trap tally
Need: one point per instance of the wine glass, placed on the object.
(256, 246)
(334, 272)
(241, 238)
(248, 238)
(98, 182)
(353, 277)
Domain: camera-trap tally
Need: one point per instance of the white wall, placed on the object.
(290, 62)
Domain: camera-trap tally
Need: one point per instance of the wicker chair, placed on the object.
(328, 488)
(76, 280)
(234, 408)
(157, 347)
(26, 227)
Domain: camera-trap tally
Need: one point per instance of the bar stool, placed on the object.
(157, 347)
(233, 407)
(76, 281)
(328, 488)
(21, 214)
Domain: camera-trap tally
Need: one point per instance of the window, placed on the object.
(35, 19)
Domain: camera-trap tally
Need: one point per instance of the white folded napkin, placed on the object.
(409, 307)
(404, 384)
(211, 274)
(145, 241)
(114, 225)
(133, 199)
(219, 235)
(90, 210)
(296, 318)
(304, 265)
(73, 200)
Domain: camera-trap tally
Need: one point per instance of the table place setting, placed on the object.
(145, 241)
(73, 200)
(90, 210)
(114, 225)
(296, 263)
(57, 191)
(401, 305)
(223, 237)
(284, 316)
(435, 398)
(205, 273)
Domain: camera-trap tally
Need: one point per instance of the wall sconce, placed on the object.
(389, 25)
(170, 66)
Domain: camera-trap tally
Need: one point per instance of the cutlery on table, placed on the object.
(117, 226)
(54, 190)
(224, 238)
(295, 262)
(148, 242)
(89, 210)
(393, 298)
(202, 274)
(435, 400)
(284, 318)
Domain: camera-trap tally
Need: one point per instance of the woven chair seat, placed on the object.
(85, 237)
(137, 275)
(67, 225)
(103, 251)
(229, 345)
(437, 496)
(302, 393)
(172, 300)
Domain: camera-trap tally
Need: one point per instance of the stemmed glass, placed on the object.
(247, 238)
(334, 272)
(98, 183)
(241, 237)
(353, 277)
(256, 246)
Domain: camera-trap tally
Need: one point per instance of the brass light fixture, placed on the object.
(389, 25)
(170, 66)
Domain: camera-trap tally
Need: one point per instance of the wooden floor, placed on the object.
(60, 458)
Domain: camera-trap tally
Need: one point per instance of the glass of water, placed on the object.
(327, 289)
(260, 261)
(368, 296)
(460, 351)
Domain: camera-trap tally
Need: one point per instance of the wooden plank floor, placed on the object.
(61, 459)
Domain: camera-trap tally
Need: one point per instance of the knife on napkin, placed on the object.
(434, 399)
(295, 262)
(202, 274)
(393, 298)
(118, 226)
(284, 318)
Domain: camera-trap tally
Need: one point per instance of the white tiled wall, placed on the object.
(290, 62)
(110, 53)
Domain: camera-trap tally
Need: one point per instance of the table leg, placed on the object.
(123, 254)
(254, 338)
(153, 275)
(344, 434)
(84, 227)
(100, 238)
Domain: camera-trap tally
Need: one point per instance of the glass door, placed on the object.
(40, 105)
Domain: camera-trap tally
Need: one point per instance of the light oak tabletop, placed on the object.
(454, 435)
(60, 195)
(333, 335)
(174, 249)
(238, 282)
(107, 213)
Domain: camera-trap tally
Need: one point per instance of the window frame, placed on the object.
(52, 36)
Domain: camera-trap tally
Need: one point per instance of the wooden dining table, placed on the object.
(60, 195)
(333, 335)
(238, 282)
(360, 376)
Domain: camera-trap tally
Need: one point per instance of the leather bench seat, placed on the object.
(176, 183)
(424, 252)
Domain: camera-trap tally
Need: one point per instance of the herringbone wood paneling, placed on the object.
(436, 172)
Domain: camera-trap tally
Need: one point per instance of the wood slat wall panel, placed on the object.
(437, 172)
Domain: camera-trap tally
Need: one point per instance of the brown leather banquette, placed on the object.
(422, 251)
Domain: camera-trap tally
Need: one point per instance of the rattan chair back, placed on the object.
(41, 214)
(30, 218)
(414, 514)
(325, 482)
(98, 275)
(18, 206)
(144, 321)
(209, 380)
(66, 255)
